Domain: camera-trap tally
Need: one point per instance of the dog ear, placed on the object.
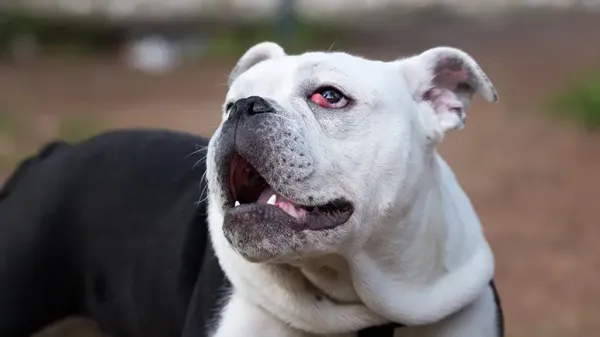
(445, 79)
(253, 56)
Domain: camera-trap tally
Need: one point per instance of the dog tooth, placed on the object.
(237, 203)
(272, 199)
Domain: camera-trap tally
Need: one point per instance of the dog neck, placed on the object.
(429, 261)
(426, 266)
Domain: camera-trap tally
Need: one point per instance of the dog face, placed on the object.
(316, 151)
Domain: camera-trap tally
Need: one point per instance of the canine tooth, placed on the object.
(271, 200)
(237, 203)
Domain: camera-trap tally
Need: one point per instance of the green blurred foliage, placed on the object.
(10, 128)
(580, 101)
(79, 129)
(304, 35)
(19, 138)
(9, 123)
(87, 35)
(68, 34)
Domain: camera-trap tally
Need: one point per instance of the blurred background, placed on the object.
(531, 164)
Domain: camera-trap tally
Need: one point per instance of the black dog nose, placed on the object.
(252, 105)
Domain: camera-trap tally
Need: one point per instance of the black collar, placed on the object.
(380, 331)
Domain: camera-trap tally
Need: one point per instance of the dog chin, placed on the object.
(278, 233)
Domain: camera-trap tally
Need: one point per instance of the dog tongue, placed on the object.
(269, 196)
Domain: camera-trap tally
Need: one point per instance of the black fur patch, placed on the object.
(21, 170)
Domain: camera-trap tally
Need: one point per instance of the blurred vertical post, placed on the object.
(287, 21)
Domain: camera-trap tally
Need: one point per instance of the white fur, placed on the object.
(442, 236)
(477, 319)
(413, 252)
(241, 318)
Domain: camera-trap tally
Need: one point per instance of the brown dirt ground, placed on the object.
(533, 180)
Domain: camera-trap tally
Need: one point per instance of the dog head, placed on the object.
(315, 151)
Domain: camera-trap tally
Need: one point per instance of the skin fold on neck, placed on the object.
(421, 269)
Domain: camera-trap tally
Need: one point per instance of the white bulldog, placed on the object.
(330, 209)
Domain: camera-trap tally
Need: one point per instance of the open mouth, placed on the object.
(250, 192)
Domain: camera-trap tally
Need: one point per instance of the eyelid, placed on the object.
(333, 86)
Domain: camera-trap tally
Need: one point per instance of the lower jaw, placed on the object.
(260, 238)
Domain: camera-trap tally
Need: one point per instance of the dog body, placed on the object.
(329, 208)
(109, 229)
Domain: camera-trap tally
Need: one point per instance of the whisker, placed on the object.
(204, 192)
(333, 44)
(199, 161)
(199, 149)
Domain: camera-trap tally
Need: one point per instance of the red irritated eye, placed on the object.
(329, 98)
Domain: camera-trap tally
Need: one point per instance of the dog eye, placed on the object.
(330, 98)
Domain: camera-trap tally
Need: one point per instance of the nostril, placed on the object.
(261, 106)
(257, 105)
